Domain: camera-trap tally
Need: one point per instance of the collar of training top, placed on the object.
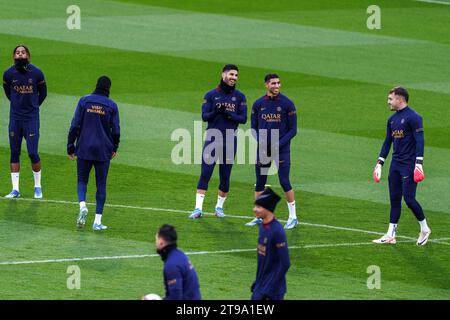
(267, 97)
(225, 88)
(164, 252)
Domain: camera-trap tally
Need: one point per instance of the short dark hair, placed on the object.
(168, 233)
(228, 67)
(270, 76)
(400, 91)
(104, 82)
(24, 46)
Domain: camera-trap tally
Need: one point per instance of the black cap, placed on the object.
(268, 199)
(228, 67)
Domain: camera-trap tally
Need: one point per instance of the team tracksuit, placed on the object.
(274, 113)
(235, 112)
(96, 130)
(405, 132)
(180, 278)
(26, 90)
(273, 262)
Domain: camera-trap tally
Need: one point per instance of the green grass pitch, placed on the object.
(162, 57)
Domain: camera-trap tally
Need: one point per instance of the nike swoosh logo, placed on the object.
(32, 134)
(216, 98)
(263, 196)
(406, 177)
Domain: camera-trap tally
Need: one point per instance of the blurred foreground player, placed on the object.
(93, 138)
(180, 277)
(405, 132)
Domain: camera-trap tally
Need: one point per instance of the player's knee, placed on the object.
(34, 157)
(15, 156)
(410, 201)
(202, 184)
(285, 184)
(260, 183)
(101, 195)
(101, 188)
(396, 202)
(82, 179)
(224, 186)
(396, 198)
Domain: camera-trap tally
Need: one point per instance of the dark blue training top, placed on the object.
(275, 113)
(180, 277)
(95, 127)
(235, 105)
(26, 90)
(273, 260)
(405, 131)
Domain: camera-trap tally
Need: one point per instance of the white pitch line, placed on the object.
(434, 1)
(140, 256)
(210, 213)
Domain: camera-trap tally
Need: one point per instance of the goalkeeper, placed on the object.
(405, 132)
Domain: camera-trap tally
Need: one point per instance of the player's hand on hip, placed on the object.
(71, 156)
(377, 172)
(419, 175)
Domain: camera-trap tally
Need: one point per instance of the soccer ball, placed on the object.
(151, 296)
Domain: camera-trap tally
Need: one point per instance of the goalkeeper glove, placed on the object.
(418, 171)
(377, 170)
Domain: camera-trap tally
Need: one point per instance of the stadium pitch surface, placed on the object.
(162, 56)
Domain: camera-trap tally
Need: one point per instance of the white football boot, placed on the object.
(385, 240)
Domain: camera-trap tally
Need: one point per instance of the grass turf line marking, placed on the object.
(434, 1)
(211, 214)
(139, 256)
